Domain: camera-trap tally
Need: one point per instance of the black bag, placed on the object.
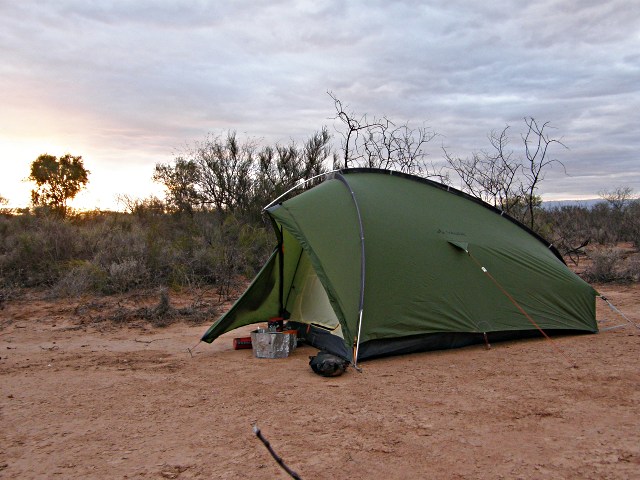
(328, 365)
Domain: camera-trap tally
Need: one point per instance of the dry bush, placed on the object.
(612, 265)
(7, 293)
(163, 313)
(80, 278)
(633, 222)
(126, 275)
(604, 265)
(632, 269)
(114, 252)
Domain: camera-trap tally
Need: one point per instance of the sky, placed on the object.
(129, 84)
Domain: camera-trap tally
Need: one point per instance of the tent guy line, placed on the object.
(612, 307)
(569, 360)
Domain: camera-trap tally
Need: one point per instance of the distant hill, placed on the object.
(589, 203)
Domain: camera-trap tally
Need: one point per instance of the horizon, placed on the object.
(118, 205)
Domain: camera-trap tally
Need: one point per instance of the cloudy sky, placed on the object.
(127, 84)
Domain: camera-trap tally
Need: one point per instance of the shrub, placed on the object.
(34, 249)
(112, 252)
(80, 277)
(633, 222)
(115, 242)
(603, 268)
(632, 270)
(126, 275)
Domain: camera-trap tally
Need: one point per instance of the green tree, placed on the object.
(57, 181)
(181, 183)
(284, 166)
(225, 166)
(234, 177)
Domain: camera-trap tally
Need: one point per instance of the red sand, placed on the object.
(90, 400)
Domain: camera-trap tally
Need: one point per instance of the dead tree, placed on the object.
(490, 175)
(381, 143)
(537, 143)
(500, 178)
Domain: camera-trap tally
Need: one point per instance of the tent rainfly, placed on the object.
(372, 263)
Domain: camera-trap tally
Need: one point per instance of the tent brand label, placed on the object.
(449, 232)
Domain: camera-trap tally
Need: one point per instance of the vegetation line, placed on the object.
(208, 232)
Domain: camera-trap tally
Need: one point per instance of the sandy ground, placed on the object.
(86, 399)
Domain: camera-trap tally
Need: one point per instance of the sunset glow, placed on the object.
(126, 85)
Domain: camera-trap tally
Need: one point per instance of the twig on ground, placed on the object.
(54, 347)
(275, 456)
(150, 341)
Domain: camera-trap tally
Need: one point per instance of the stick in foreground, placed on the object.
(275, 456)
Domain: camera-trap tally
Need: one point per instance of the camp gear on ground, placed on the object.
(269, 344)
(328, 365)
(241, 343)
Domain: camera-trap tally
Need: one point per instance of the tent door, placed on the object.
(308, 302)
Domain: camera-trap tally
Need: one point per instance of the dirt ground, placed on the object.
(81, 398)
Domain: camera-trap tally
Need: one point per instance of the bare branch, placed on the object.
(381, 143)
(508, 183)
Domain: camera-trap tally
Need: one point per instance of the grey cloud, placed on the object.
(155, 74)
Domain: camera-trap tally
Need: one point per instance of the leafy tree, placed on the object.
(283, 166)
(181, 183)
(57, 181)
(216, 173)
(235, 178)
(225, 167)
(3, 201)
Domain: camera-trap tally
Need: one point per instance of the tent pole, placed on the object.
(297, 185)
(340, 177)
(281, 273)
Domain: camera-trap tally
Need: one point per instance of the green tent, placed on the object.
(374, 262)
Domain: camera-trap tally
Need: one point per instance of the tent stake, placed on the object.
(190, 350)
(486, 341)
